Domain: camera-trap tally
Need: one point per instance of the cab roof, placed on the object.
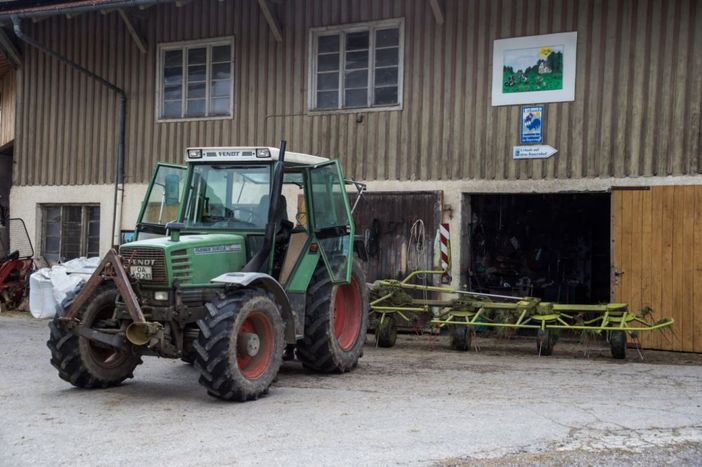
(249, 154)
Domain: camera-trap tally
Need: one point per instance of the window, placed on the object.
(196, 79)
(70, 231)
(356, 66)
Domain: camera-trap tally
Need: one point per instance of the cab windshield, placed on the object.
(228, 197)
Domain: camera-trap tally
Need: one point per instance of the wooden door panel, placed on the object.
(657, 260)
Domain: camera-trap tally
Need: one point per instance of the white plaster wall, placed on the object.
(26, 201)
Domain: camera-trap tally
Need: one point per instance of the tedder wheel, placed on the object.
(386, 333)
(240, 347)
(617, 343)
(545, 341)
(336, 321)
(85, 363)
(460, 337)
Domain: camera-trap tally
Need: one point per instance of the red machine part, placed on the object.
(14, 272)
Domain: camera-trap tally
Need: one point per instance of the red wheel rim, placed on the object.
(347, 315)
(254, 366)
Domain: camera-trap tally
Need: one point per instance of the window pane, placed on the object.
(356, 98)
(357, 59)
(328, 44)
(221, 53)
(53, 221)
(171, 109)
(221, 71)
(195, 108)
(197, 56)
(221, 88)
(172, 75)
(72, 214)
(387, 57)
(51, 246)
(196, 90)
(93, 247)
(196, 73)
(385, 76)
(357, 40)
(356, 79)
(327, 81)
(219, 106)
(387, 37)
(327, 100)
(328, 62)
(172, 92)
(385, 96)
(173, 58)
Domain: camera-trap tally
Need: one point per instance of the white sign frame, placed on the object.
(569, 42)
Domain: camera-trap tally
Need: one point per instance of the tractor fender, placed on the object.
(268, 283)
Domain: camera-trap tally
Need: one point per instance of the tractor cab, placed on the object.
(227, 190)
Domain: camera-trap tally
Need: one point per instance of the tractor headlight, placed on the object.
(194, 153)
(263, 152)
(161, 296)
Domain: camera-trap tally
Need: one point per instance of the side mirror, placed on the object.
(172, 189)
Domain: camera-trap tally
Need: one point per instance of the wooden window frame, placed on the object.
(84, 225)
(342, 30)
(184, 46)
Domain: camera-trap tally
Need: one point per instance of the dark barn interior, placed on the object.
(552, 246)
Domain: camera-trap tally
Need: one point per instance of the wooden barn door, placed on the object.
(657, 260)
(385, 219)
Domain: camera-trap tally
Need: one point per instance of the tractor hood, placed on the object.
(193, 259)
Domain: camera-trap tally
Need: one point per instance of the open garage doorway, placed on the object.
(552, 246)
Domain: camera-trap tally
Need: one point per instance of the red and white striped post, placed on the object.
(445, 246)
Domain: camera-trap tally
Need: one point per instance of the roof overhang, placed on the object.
(35, 10)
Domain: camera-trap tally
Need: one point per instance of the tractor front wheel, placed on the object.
(85, 363)
(336, 322)
(240, 347)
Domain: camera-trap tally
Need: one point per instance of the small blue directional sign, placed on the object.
(531, 126)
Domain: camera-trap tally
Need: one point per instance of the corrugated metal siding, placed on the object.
(7, 108)
(637, 108)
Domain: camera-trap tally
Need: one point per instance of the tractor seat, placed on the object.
(11, 257)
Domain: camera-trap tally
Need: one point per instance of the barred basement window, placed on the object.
(70, 231)
(196, 79)
(356, 66)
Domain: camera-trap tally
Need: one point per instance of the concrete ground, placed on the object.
(417, 403)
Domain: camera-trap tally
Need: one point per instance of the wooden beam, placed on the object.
(271, 19)
(138, 40)
(11, 52)
(437, 10)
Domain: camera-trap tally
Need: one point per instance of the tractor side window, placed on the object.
(332, 220)
(164, 198)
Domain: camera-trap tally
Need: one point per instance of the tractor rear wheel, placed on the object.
(336, 322)
(240, 347)
(460, 337)
(617, 344)
(85, 363)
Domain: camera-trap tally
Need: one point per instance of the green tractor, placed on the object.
(219, 277)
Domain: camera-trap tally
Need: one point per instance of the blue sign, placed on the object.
(531, 126)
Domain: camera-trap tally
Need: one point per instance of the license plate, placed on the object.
(142, 273)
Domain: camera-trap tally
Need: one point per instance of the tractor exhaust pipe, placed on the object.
(141, 333)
